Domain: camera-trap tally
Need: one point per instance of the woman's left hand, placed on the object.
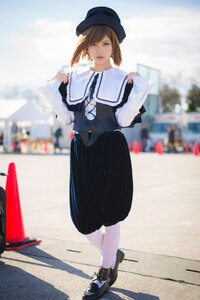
(131, 75)
(62, 77)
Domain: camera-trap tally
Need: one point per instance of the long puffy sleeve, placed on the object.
(136, 99)
(50, 91)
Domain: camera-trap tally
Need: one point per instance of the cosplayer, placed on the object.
(99, 101)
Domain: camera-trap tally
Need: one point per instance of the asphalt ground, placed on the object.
(160, 237)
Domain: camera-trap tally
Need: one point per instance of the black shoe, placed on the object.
(114, 272)
(93, 291)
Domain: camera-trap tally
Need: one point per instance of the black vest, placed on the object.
(90, 130)
(105, 120)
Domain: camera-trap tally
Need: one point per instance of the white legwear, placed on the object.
(96, 238)
(110, 246)
(107, 243)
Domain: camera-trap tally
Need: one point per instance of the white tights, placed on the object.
(107, 242)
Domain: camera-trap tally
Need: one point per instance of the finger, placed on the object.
(63, 77)
(129, 79)
(137, 74)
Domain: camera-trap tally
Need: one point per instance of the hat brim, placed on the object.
(99, 20)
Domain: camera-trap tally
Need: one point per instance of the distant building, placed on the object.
(152, 103)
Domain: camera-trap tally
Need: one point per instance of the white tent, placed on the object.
(28, 112)
(21, 110)
(8, 107)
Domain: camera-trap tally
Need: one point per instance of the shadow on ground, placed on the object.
(20, 285)
(49, 260)
(132, 295)
(17, 284)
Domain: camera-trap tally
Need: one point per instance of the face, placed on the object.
(100, 52)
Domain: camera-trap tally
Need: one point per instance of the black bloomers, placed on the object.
(101, 185)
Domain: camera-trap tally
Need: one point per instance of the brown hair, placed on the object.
(95, 34)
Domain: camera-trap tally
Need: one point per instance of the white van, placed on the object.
(191, 132)
(159, 128)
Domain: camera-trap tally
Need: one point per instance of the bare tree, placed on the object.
(195, 78)
(170, 97)
(193, 98)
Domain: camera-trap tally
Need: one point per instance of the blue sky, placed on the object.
(38, 36)
(17, 13)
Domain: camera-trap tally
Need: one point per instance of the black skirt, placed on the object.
(101, 185)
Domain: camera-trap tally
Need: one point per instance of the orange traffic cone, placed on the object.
(46, 146)
(196, 149)
(159, 148)
(136, 148)
(187, 148)
(15, 237)
(71, 136)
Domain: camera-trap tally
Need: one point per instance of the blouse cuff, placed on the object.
(139, 92)
(50, 91)
(141, 88)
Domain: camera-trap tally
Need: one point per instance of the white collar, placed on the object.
(109, 88)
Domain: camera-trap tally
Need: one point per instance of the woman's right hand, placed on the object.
(131, 75)
(61, 76)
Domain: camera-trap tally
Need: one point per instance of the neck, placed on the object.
(101, 68)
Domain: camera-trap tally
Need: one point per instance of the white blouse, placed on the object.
(109, 90)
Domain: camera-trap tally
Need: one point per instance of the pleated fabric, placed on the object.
(101, 185)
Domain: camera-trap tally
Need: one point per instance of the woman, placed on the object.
(99, 101)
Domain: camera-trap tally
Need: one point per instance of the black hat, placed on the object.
(102, 16)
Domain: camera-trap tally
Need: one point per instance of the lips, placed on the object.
(99, 57)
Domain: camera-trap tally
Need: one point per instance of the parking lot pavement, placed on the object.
(61, 270)
(160, 237)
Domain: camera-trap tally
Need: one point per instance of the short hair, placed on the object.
(95, 34)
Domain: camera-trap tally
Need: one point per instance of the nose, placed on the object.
(99, 49)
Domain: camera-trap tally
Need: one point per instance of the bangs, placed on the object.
(95, 34)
